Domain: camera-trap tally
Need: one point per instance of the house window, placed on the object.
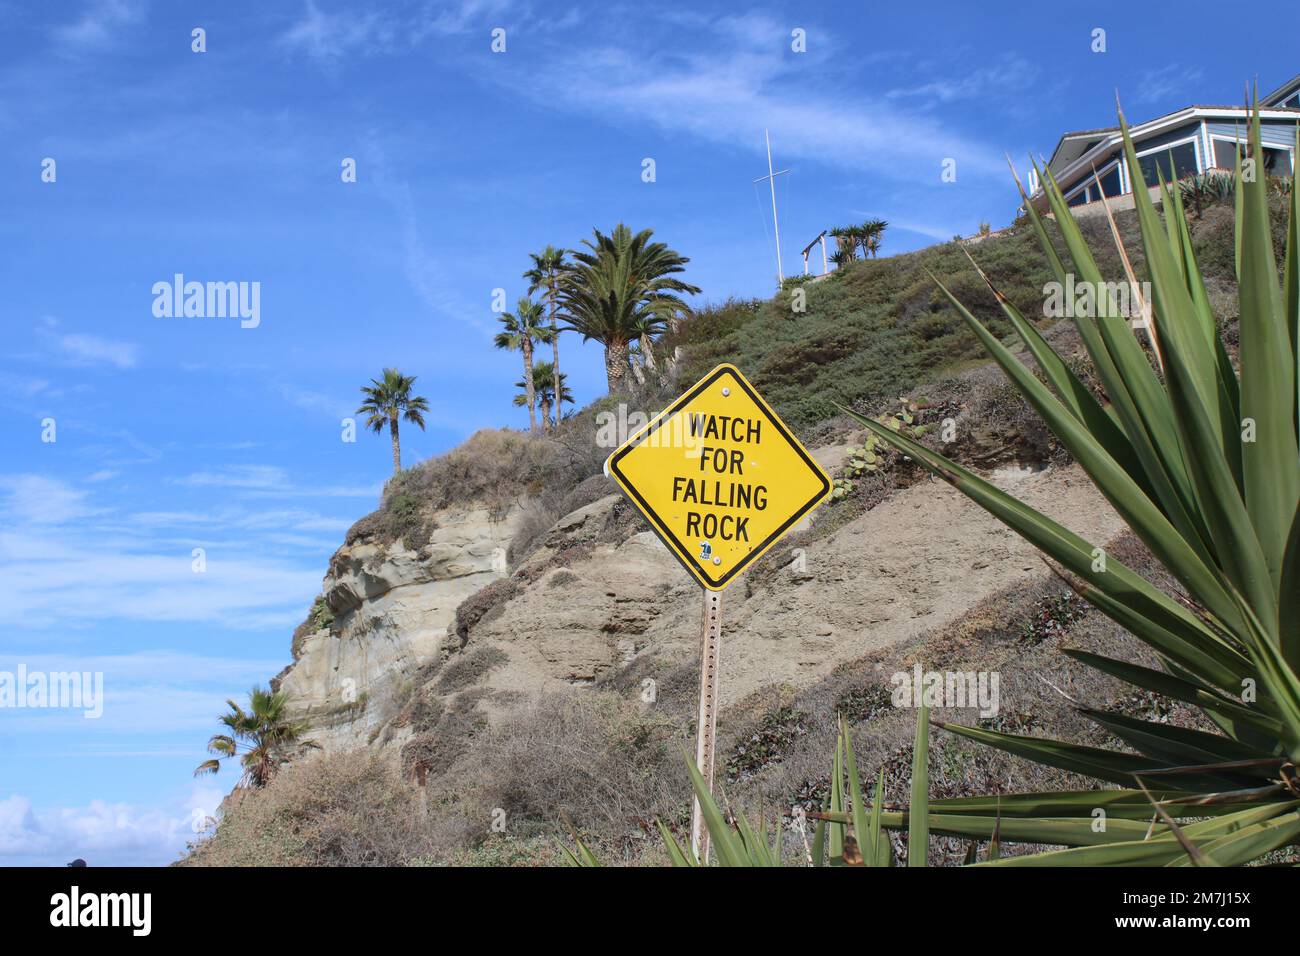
(1079, 198)
(1110, 182)
(1182, 157)
(1277, 162)
(1225, 153)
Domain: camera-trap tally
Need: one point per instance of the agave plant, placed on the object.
(1207, 187)
(1201, 462)
(848, 832)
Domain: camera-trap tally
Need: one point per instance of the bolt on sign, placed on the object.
(719, 476)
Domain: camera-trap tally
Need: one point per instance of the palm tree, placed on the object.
(521, 329)
(262, 737)
(858, 236)
(544, 386)
(386, 401)
(615, 286)
(647, 327)
(874, 231)
(846, 244)
(548, 271)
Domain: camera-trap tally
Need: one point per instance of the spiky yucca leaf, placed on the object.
(1201, 461)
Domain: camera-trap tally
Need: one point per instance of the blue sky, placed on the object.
(180, 433)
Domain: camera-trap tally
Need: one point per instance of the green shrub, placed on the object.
(769, 742)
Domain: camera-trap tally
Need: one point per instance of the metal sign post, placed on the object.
(707, 724)
(721, 479)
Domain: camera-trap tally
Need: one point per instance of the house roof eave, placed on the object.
(1112, 136)
(1283, 91)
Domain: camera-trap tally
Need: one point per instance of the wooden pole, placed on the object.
(821, 237)
(707, 724)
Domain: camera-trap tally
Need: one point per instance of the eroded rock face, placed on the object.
(915, 563)
(394, 609)
(598, 595)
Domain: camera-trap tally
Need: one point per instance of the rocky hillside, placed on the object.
(506, 634)
(390, 610)
(601, 601)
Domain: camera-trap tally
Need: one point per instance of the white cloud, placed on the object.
(37, 500)
(1159, 84)
(329, 37)
(101, 833)
(61, 569)
(73, 581)
(273, 481)
(23, 387)
(326, 36)
(728, 92)
(190, 689)
(240, 476)
(99, 24)
(311, 401)
(92, 350)
(1009, 77)
(87, 350)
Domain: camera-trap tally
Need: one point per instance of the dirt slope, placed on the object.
(914, 563)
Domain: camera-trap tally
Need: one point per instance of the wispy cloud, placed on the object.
(312, 401)
(85, 350)
(420, 263)
(99, 24)
(1157, 85)
(739, 80)
(328, 36)
(272, 480)
(72, 581)
(69, 563)
(189, 688)
(93, 350)
(240, 476)
(20, 386)
(37, 500)
(1008, 78)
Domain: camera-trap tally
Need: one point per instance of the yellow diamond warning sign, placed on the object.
(719, 477)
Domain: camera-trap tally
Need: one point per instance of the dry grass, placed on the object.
(1018, 634)
(344, 809)
(610, 764)
(605, 764)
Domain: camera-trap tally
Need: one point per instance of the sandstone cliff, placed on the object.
(600, 599)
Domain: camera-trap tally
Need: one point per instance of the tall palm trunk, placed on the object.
(555, 338)
(615, 365)
(529, 391)
(397, 444)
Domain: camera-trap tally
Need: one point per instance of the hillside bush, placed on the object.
(341, 809)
